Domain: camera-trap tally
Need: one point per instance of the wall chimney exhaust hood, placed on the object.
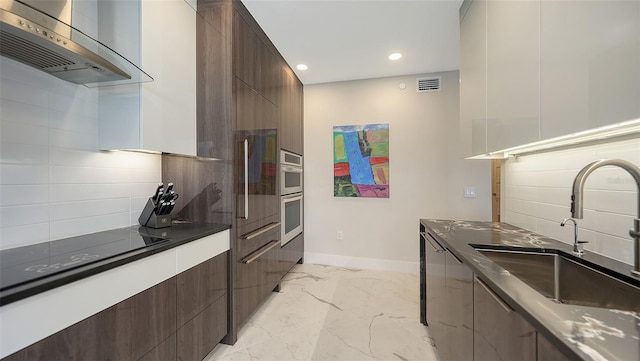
(38, 33)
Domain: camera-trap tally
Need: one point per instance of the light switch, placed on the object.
(469, 192)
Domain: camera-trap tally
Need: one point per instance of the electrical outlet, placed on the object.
(469, 192)
(339, 235)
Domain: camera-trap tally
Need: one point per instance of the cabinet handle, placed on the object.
(260, 230)
(257, 254)
(494, 295)
(246, 179)
(431, 241)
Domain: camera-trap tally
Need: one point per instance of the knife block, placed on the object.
(149, 218)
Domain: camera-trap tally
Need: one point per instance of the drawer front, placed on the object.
(202, 333)
(200, 286)
(258, 272)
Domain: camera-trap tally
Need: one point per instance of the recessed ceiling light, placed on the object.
(395, 56)
(302, 67)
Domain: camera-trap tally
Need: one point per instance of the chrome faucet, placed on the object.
(577, 193)
(577, 245)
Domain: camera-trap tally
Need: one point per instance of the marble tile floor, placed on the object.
(333, 313)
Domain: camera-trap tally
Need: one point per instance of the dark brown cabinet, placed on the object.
(253, 61)
(255, 134)
(256, 271)
(128, 330)
(181, 318)
(240, 96)
(292, 253)
(291, 112)
(201, 308)
(499, 332)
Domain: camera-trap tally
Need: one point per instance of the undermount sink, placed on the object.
(566, 281)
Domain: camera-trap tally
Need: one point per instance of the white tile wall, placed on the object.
(537, 190)
(54, 182)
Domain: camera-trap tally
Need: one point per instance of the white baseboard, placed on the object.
(361, 262)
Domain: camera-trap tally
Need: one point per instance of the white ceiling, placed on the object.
(351, 39)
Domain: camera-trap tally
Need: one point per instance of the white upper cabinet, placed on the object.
(553, 68)
(160, 115)
(513, 45)
(473, 78)
(590, 64)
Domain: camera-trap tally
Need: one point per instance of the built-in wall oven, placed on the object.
(290, 173)
(291, 197)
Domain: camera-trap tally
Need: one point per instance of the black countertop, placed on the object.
(27, 271)
(580, 332)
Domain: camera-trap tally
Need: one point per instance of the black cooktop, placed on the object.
(26, 264)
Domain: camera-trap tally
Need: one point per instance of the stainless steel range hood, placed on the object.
(37, 33)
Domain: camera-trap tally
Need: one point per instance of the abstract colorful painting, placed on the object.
(361, 161)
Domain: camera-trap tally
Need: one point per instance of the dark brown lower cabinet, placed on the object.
(202, 333)
(257, 271)
(499, 332)
(201, 308)
(292, 253)
(200, 286)
(128, 330)
(166, 351)
(181, 318)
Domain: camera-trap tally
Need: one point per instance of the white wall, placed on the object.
(537, 191)
(54, 183)
(427, 174)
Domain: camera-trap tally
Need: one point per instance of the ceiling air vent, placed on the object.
(425, 85)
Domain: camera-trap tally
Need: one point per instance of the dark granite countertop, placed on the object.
(580, 332)
(29, 270)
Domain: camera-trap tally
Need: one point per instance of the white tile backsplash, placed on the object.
(15, 195)
(79, 226)
(25, 133)
(82, 209)
(54, 181)
(23, 174)
(11, 237)
(23, 113)
(610, 197)
(79, 192)
(21, 153)
(12, 216)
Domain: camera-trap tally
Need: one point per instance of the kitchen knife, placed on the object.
(158, 208)
(157, 194)
(163, 208)
(170, 208)
(168, 197)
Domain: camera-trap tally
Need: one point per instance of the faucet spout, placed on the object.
(577, 196)
(577, 245)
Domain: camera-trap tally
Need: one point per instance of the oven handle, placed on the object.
(291, 169)
(291, 197)
(246, 179)
(257, 254)
(260, 231)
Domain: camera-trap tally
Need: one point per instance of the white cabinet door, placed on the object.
(160, 115)
(473, 79)
(512, 73)
(590, 64)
